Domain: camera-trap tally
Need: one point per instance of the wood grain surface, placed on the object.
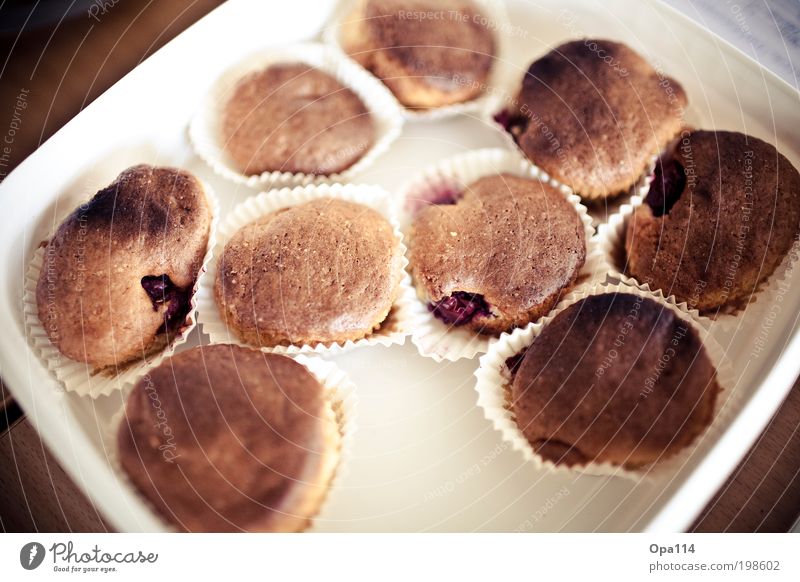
(65, 67)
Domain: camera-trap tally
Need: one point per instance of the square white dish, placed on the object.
(424, 458)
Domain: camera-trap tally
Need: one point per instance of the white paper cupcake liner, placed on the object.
(80, 377)
(402, 315)
(500, 78)
(611, 243)
(344, 403)
(433, 337)
(206, 137)
(493, 388)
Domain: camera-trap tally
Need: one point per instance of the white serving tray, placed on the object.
(424, 458)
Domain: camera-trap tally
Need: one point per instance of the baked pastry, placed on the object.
(429, 53)
(501, 255)
(721, 213)
(592, 113)
(614, 378)
(223, 438)
(295, 118)
(325, 271)
(118, 274)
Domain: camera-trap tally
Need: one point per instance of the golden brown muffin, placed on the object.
(321, 272)
(721, 213)
(429, 53)
(119, 272)
(592, 113)
(614, 378)
(501, 255)
(223, 438)
(294, 118)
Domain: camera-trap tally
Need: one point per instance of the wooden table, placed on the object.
(65, 68)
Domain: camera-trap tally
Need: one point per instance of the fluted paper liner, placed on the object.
(611, 243)
(434, 338)
(500, 77)
(344, 404)
(206, 136)
(402, 316)
(80, 377)
(494, 379)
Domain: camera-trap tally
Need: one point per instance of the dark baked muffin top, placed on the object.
(324, 271)
(721, 213)
(122, 266)
(516, 243)
(592, 113)
(614, 378)
(218, 438)
(445, 43)
(295, 118)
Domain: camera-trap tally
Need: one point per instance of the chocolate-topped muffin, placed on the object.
(721, 213)
(500, 255)
(223, 438)
(295, 118)
(325, 271)
(592, 113)
(429, 53)
(614, 378)
(118, 274)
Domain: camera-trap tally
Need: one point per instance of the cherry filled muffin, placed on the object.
(614, 378)
(721, 214)
(428, 53)
(119, 272)
(222, 438)
(325, 271)
(294, 118)
(498, 255)
(592, 114)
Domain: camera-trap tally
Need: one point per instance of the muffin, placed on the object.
(326, 271)
(428, 53)
(118, 274)
(721, 213)
(294, 118)
(499, 255)
(223, 438)
(614, 378)
(592, 114)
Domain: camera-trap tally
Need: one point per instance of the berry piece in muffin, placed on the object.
(721, 214)
(224, 438)
(295, 118)
(498, 257)
(119, 272)
(614, 378)
(593, 113)
(325, 271)
(428, 53)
